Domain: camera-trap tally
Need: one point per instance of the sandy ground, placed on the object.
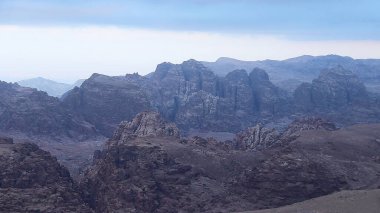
(359, 201)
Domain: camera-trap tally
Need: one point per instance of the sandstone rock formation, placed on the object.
(146, 168)
(260, 138)
(256, 138)
(335, 88)
(31, 180)
(33, 113)
(188, 94)
(145, 124)
(106, 101)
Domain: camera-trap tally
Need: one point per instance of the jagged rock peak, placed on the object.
(256, 138)
(145, 124)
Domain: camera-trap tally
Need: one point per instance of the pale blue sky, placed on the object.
(70, 39)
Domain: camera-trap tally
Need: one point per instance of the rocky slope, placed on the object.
(147, 168)
(335, 88)
(31, 180)
(29, 115)
(28, 112)
(106, 101)
(259, 138)
(335, 94)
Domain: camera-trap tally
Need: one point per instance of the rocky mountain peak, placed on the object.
(258, 74)
(146, 124)
(334, 88)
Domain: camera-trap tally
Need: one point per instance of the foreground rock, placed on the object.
(31, 180)
(147, 168)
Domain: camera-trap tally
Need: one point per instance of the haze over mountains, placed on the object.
(128, 142)
(52, 88)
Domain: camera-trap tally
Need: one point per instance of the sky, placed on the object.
(66, 40)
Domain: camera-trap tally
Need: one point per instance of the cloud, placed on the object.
(70, 53)
(296, 19)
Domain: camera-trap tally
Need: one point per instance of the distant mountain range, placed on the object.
(52, 88)
(303, 68)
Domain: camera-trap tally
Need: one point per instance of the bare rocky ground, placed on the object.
(366, 201)
(31, 180)
(145, 167)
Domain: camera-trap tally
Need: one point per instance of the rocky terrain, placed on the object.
(106, 101)
(188, 94)
(26, 111)
(195, 98)
(29, 115)
(303, 68)
(284, 151)
(31, 180)
(145, 167)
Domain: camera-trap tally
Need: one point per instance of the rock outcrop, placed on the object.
(188, 94)
(106, 101)
(146, 168)
(31, 180)
(256, 138)
(145, 124)
(334, 89)
(33, 113)
(260, 138)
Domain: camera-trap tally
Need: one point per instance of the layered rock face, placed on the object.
(189, 94)
(260, 138)
(256, 138)
(147, 168)
(202, 100)
(34, 113)
(145, 124)
(105, 101)
(31, 180)
(335, 88)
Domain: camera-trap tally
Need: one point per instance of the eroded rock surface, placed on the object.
(159, 172)
(31, 180)
(33, 113)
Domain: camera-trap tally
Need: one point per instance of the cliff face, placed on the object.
(335, 88)
(188, 94)
(34, 113)
(31, 180)
(105, 101)
(202, 100)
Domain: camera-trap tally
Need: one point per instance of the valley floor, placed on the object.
(366, 201)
